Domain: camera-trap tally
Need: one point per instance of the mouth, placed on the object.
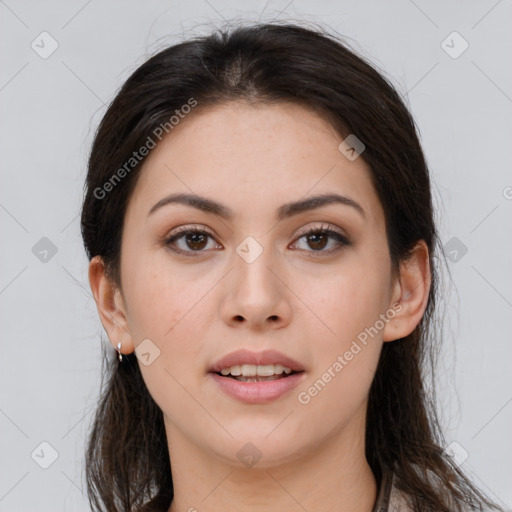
(256, 373)
(257, 389)
(257, 377)
(266, 365)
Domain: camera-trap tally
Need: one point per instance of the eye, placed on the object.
(192, 238)
(319, 237)
(188, 240)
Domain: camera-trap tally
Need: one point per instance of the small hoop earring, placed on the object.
(119, 352)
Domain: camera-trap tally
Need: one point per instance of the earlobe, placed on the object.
(110, 306)
(411, 293)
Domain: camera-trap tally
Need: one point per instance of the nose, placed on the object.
(256, 294)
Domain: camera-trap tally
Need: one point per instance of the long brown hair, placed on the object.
(127, 457)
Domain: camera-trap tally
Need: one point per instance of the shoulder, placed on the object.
(390, 498)
(400, 501)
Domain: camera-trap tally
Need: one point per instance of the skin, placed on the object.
(308, 304)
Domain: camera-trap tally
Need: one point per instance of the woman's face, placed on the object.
(256, 282)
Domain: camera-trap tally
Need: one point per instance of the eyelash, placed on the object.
(342, 240)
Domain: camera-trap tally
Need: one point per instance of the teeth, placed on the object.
(251, 370)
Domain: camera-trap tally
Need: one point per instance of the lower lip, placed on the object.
(257, 392)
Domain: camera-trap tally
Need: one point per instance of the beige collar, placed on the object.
(389, 498)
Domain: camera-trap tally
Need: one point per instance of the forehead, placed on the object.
(253, 157)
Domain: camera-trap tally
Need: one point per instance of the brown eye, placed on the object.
(196, 241)
(192, 240)
(317, 239)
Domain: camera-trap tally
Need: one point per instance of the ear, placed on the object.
(110, 304)
(410, 294)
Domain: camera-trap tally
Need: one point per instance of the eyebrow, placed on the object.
(283, 212)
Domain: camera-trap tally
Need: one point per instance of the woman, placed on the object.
(260, 231)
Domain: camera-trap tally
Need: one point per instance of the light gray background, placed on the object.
(50, 330)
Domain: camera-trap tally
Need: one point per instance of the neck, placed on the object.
(332, 477)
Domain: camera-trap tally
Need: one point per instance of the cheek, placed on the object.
(346, 301)
(344, 360)
(166, 313)
(165, 307)
(171, 306)
(348, 339)
(158, 295)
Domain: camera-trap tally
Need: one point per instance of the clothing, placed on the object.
(389, 498)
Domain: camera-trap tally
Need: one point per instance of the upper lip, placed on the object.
(266, 357)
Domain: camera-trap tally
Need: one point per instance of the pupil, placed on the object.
(322, 236)
(196, 236)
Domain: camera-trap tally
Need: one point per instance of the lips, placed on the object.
(262, 392)
(266, 357)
